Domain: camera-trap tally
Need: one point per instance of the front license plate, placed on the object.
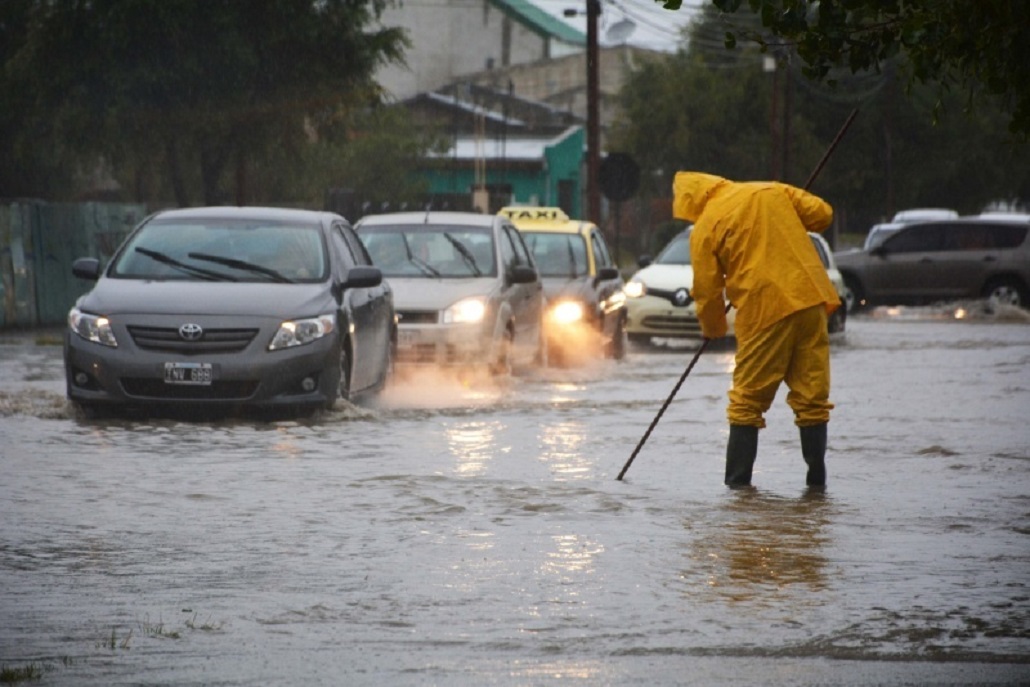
(188, 373)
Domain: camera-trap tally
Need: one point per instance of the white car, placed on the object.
(466, 290)
(658, 301)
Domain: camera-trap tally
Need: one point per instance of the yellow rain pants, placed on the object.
(794, 350)
(750, 244)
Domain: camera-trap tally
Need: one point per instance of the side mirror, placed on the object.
(608, 273)
(86, 268)
(879, 251)
(522, 274)
(363, 277)
(645, 260)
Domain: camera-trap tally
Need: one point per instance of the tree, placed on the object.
(719, 111)
(201, 90)
(979, 47)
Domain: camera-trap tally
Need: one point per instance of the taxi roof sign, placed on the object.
(551, 214)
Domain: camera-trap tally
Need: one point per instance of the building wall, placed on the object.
(561, 82)
(453, 38)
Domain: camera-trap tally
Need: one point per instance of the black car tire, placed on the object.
(343, 387)
(617, 346)
(501, 366)
(838, 320)
(853, 294)
(1006, 291)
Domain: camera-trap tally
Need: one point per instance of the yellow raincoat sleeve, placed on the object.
(709, 282)
(814, 212)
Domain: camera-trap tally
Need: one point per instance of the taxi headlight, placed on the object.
(634, 289)
(567, 312)
(466, 311)
(95, 328)
(299, 332)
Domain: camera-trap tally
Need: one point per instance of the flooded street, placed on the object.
(456, 534)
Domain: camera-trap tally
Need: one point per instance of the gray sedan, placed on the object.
(231, 306)
(468, 294)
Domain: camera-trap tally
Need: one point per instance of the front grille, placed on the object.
(673, 325)
(429, 353)
(418, 316)
(216, 391)
(213, 340)
(419, 353)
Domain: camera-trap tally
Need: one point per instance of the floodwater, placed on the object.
(460, 534)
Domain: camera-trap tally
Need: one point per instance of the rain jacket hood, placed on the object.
(691, 191)
(750, 244)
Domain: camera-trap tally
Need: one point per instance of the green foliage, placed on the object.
(187, 96)
(719, 111)
(979, 47)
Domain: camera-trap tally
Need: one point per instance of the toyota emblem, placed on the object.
(681, 298)
(191, 331)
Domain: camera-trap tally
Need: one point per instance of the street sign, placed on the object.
(619, 177)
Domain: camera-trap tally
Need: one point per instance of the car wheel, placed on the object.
(345, 372)
(837, 320)
(501, 367)
(853, 294)
(617, 346)
(1004, 291)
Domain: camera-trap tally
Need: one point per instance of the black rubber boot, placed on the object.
(813, 448)
(741, 450)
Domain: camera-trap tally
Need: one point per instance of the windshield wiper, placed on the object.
(466, 254)
(242, 265)
(420, 263)
(183, 267)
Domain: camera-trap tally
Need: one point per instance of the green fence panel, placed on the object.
(17, 265)
(38, 243)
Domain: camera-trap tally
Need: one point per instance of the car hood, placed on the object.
(123, 296)
(563, 287)
(666, 277)
(438, 294)
(851, 258)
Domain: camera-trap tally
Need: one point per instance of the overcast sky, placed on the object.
(654, 28)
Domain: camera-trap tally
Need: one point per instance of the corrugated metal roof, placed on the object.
(523, 148)
(540, 21)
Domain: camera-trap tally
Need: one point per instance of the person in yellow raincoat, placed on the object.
(750, 243)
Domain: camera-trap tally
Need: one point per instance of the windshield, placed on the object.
(436, 251)
(224, 250)
(677, 252)
(558, 255)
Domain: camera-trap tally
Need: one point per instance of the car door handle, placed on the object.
(990, 258)
(926, 261)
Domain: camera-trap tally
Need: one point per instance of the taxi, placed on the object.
(585, 314)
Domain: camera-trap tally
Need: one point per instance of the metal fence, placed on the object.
(38, 243)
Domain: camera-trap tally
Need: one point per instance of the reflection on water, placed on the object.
(472, 444)
(573, 556)
(762, 547)
(462, 532)
(562, 444)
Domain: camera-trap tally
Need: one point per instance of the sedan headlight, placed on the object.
(299, 332)
(635, 289)
(95, 328)
(567, 312)
(466, 311)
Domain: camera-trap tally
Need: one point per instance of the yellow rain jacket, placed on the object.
(749, 239)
